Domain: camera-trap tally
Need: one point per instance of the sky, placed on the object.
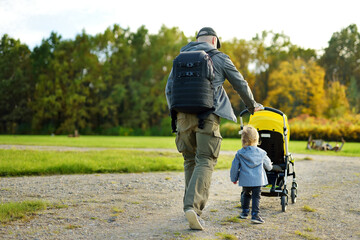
(308, 23)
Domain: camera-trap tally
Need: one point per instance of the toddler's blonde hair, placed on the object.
(249, 136)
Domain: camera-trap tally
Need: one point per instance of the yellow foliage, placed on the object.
(337, 100)
(296, 87)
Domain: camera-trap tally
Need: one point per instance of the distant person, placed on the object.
(198, 135)
(248, 168)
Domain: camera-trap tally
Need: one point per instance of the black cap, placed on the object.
(208, 31)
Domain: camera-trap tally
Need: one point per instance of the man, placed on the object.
(200, 146)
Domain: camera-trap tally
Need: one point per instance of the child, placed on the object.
(248, 168)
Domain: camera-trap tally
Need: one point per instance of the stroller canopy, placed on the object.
(267, 120)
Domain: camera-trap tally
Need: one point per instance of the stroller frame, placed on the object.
(280, 191)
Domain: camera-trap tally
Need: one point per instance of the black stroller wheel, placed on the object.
(284, 202)
(293, 195)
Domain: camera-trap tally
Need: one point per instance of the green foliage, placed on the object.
(230, 130)
(340, 60)
(113, 83)
(16, 84)
(11, 211)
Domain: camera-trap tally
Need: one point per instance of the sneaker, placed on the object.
(195, 222)
(244, 215)
(257, 219)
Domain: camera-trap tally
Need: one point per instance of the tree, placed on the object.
(44, 104)
(62, 96)
(269, 51)
(15, 86)
(165, 46)
(297, 87)
(240, 52)
(338, 104)
(341, 62)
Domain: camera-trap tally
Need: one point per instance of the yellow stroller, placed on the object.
(274, 135)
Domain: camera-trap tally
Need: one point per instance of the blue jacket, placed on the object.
(248, 167)
(224, 69)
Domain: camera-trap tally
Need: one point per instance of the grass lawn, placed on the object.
(230, 144)
(32, 162)
(114, 160)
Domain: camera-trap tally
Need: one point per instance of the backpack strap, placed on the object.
(204, 115)
(173, 115)
(213, 52)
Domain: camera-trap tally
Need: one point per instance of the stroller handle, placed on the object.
(265, 108)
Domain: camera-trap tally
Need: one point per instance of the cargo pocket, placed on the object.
(208, 144)
(217, 143)
(180, 145)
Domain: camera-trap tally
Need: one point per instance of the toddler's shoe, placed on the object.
(195, 222)
(244, 215)
(257, 219)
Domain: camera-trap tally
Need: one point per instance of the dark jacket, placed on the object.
(224, 69)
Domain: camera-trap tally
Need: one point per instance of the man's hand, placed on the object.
(259, 107)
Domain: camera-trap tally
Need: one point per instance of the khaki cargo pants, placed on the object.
(200, 149)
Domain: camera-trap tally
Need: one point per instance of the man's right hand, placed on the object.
(259, 107)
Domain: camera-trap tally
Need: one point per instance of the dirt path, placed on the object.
(149, 206)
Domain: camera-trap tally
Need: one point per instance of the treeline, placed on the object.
(113, 82)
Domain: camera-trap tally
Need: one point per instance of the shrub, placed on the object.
(230, 130)
(347, 127)
(301, 127)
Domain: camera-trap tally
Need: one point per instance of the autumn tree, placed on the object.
(337, 101)
(240, 53)
(269, 50)
(297, 87)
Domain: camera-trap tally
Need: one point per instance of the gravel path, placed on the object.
(149, 205)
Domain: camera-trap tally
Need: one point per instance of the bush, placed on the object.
(347, 127)
(301, 127)
(230, 130)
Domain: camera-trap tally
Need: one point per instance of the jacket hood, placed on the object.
(197, 46)
(252, 156)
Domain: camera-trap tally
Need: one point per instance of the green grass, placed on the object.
(307, 208)
(114, 160)
(31, 162)
(18, 210)
(306, 236)
(226, 236)
(90, 141)
(229, 144)
(233, 219)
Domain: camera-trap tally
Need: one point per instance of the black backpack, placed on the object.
(192, 90)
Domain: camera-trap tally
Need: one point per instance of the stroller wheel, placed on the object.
(284, 202)
(293, 195)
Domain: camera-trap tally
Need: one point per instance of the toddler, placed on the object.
(248, 168)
